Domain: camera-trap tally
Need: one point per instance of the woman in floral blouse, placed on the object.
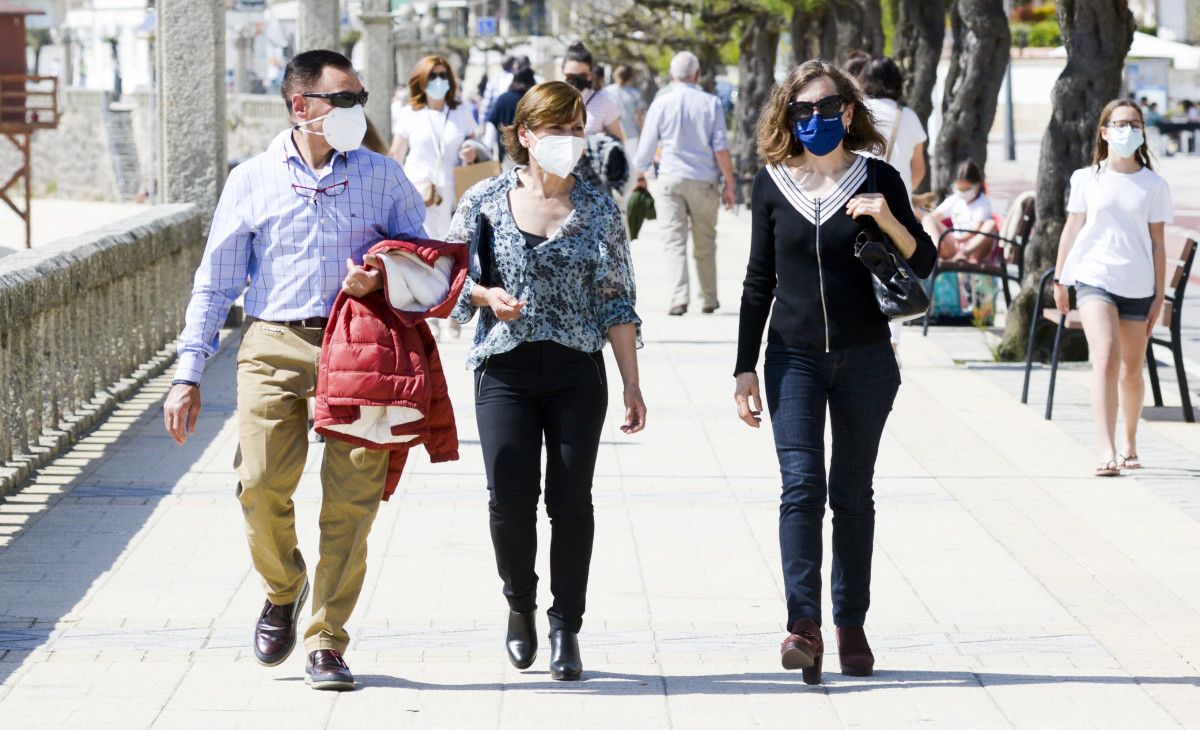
(558, 284)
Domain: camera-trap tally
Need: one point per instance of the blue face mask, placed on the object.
(819, 135)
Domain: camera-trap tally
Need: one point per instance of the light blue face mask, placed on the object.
(437, 89)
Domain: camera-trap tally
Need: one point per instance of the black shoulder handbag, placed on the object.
(482, 260)
(898, 292)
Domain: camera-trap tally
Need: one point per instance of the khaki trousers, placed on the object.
(677, 201)
(277, 372)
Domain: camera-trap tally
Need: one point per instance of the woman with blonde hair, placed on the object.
(429, 139)
(554, 284)
(1111, 251)
(828, 348)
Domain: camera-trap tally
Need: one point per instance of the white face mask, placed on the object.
(967, 195)
(344, 128)
(558, 154)
(437, 89)
(1124, 142)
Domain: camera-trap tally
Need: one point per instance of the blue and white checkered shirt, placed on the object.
(292, 244)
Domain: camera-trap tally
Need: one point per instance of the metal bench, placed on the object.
(1181, 254)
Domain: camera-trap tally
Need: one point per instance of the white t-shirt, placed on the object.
(601, 111)
(966, 216)
(424, 128)
(908, 136)
(1113, 249)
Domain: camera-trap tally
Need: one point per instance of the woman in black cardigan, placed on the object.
(827, 345)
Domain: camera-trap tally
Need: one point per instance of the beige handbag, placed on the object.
(429, 193)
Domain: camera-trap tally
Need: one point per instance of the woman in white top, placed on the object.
(883, 85)
(429, 137)
(603, 114)
(1112, 252)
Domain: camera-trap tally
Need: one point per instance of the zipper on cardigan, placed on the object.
(821, 275)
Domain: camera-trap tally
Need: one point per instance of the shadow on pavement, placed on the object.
(615, 683)
(86, 507)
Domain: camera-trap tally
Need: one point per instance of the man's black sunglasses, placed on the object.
(830, 106)
(341, 99)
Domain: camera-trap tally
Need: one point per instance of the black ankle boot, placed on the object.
(565, 663)
(522, 639)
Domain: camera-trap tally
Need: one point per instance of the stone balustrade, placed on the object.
(85, 320)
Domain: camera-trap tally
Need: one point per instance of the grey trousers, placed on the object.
(678, 202)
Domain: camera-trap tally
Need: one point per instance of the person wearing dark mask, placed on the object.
(603, 113)
(505, 107)
(827, 346)
(283, 225)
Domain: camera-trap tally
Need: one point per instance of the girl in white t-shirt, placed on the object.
(969, 212)
(429, 137)
(1111, 251)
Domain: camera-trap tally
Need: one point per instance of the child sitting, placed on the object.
(966, 213)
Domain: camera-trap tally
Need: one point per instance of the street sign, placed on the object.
(485, 26)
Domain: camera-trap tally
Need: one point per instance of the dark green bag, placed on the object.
(639, 210)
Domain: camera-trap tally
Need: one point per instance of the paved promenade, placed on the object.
(1011, 589)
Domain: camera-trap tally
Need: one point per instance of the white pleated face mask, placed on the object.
(344, 129)
(558, 154)
(1124, 142)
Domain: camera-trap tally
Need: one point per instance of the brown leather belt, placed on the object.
(310, 323)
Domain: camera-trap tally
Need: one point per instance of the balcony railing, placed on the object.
(28, 102)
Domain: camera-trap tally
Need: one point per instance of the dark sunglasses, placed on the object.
(440, 75)
(341, 99)
(829, 107)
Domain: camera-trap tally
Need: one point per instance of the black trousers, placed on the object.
(542, 392)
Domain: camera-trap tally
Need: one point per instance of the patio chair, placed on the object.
(1013, 235)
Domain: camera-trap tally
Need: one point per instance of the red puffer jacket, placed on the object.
(380, 382)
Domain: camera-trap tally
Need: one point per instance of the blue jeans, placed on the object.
(857, 385)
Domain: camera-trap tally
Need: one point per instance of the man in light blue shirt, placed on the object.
(695, 175)
(295, 222)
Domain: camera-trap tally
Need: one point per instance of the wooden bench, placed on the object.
(1181, 254)
(1013, 235)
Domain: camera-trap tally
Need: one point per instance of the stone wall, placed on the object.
(82, 321)
(73, 161)
(254, 120)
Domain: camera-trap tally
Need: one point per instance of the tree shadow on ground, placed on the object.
(619, 683)
(70, 541)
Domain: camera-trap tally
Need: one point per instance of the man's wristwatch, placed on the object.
(182, 381)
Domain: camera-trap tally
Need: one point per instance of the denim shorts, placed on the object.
(1131, 309)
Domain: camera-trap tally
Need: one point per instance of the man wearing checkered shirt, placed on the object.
(291, 229)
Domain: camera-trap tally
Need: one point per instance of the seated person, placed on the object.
(967, 210)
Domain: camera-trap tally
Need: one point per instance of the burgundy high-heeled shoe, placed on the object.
(854, 652)
(804, 649)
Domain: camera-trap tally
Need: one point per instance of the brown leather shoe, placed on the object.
(678, 310)
(854, 652)
(275, 632)
(326, 669)
(804, 649)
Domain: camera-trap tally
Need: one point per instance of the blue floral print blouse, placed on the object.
(578, 283)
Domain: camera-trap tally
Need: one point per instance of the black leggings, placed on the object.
(542, 390)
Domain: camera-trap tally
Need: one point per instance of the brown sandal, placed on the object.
(1108, 469)
(1131, 462)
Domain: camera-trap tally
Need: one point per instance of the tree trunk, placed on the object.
(918, 37)
(832, 29)
(756, 70)
(859, 26)
(1097, 35)
(977, 65)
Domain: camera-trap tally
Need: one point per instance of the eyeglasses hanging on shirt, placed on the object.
(306, 191)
